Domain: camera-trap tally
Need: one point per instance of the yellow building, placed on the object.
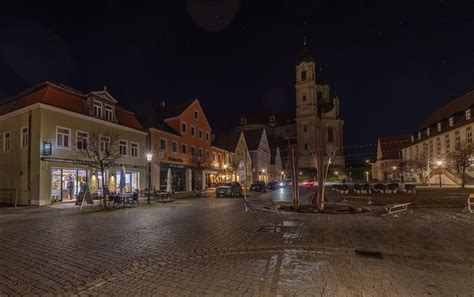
(43, 133)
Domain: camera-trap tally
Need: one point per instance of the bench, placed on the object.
(470, 203)
(396, 208)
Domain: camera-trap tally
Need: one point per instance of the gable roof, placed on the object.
(227, 141)
(63, 97)
(252, 138)
(390, 146)
(460, 104)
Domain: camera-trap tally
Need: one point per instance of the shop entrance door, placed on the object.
(66, 183)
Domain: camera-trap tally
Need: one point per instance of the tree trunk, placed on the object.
(104, 198)
(463, 176)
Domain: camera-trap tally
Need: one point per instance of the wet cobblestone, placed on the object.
(212, 247)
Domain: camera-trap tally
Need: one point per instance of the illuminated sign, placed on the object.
(47, 148)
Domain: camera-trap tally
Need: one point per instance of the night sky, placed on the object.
(390, 64)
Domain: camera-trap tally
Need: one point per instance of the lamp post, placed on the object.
(394, 168)
(149, 157)
(439, 163)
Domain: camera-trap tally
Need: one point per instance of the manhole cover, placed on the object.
(370, 254)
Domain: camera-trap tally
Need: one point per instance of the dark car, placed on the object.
(229, 190)
(272, 185)
(258, 186)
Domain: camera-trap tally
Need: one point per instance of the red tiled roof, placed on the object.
(392, 145)
(65, 98)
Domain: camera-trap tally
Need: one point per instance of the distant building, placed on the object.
(259, 150)
(448, 129)
(389, 157)
(316, 119)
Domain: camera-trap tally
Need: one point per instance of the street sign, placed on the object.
(241, 165)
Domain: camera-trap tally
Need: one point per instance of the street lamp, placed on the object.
(439, 163)
(335, 172)
(367, 176)
(149, 157)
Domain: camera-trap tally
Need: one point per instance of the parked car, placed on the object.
(289, 183)
(258, 186)
(229, 190)
(272, 185)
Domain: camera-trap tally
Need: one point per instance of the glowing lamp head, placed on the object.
(149, 157)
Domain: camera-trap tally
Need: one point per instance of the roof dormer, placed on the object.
(102, 105)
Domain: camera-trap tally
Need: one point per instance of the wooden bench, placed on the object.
(470, 203)
(396, 208)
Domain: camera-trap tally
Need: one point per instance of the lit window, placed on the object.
(439, 126)
(109, 113)
(98, 109)
(123, 144)
(428, 131)
(184, 127)
(451, 121)
(438, 145)
(6, 141)
(63, 137)
(174, 147)
(243, 121)
(104, 144)
(447, 142)
(24, 137)
(134, 149)
(457, 139)
(82, 140)
(469, 135)
(184, 149)
(468, 114)
(163, 144)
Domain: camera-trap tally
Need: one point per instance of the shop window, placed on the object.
(163, 144)
(109, 113)
(24, 137)
(68, 184)
(123, 145)
(104, 144)
(82, 140)
(98, 109)
(184, 149)
(174, 147)
(184, 127)
(134, 149)
(63, 137)
(6, 141)
(200, 133)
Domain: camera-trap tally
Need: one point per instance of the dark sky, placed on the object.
(390, 62)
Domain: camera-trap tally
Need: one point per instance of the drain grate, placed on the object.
(369, 254)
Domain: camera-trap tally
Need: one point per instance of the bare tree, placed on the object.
(200, 163)
(462, 157)
(101, 149)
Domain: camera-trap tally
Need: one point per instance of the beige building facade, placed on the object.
(428, 156)
(42, 134)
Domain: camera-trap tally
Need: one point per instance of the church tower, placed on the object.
(317, 117)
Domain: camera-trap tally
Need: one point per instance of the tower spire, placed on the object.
(304, 41)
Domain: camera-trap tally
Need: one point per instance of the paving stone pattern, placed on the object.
(212, 247)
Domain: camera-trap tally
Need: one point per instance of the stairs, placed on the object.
(447, 177)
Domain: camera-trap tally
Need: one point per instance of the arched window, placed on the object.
(330, 135)
(303, 75)
(243, 121)
(304, 98)
(272, 118)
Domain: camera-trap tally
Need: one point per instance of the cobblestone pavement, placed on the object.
(213, 247)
